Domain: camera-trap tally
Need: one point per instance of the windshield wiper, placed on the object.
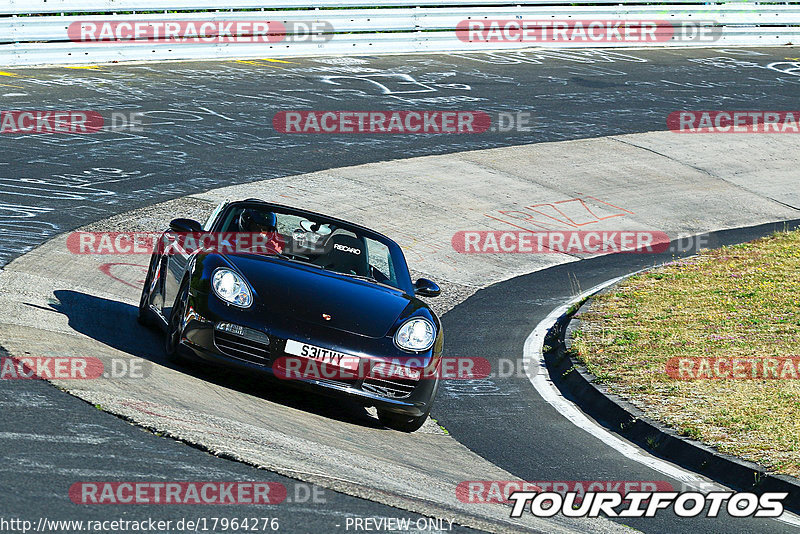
(360, 277)
(368, 279)
(280, 255)
(295, 260)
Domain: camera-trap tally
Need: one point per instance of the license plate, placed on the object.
(326, 356)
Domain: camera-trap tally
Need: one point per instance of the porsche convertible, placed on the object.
(322, 303)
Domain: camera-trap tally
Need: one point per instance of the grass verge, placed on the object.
(737, 303)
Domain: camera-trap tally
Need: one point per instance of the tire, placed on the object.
(407, 423)
(144, 317)
(403, 423)
(172, 347)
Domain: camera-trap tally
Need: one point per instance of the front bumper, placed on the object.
(204, 341)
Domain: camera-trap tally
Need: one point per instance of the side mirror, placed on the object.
(185, 226)
(426, 288)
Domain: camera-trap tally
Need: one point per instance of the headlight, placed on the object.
(416, 335)
(231, 288)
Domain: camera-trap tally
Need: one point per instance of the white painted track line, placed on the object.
(538, 374)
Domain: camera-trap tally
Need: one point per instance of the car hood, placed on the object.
(292, 291)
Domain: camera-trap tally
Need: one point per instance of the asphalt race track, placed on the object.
(209, 125)
(51, 439)
(554, 448)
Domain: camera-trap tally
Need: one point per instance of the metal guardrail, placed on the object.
(21, 7)
(75, 53)
(28, 29)
(43, 38)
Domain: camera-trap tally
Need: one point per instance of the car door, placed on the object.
(176, 260)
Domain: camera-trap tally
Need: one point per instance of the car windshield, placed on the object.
(339, 248)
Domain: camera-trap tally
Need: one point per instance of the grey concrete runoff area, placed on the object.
(58, 302)
(596, 159)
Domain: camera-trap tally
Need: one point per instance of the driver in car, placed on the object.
(261, 231)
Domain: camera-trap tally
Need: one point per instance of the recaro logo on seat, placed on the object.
(345, 248)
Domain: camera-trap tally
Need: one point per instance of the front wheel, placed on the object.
(172, 345)
(403, 423)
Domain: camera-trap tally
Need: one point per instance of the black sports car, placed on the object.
(321, 302)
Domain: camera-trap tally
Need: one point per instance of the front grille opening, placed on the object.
(242, 348)
(391, 389)
(322, 373)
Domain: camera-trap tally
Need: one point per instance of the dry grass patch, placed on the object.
(741, 301)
